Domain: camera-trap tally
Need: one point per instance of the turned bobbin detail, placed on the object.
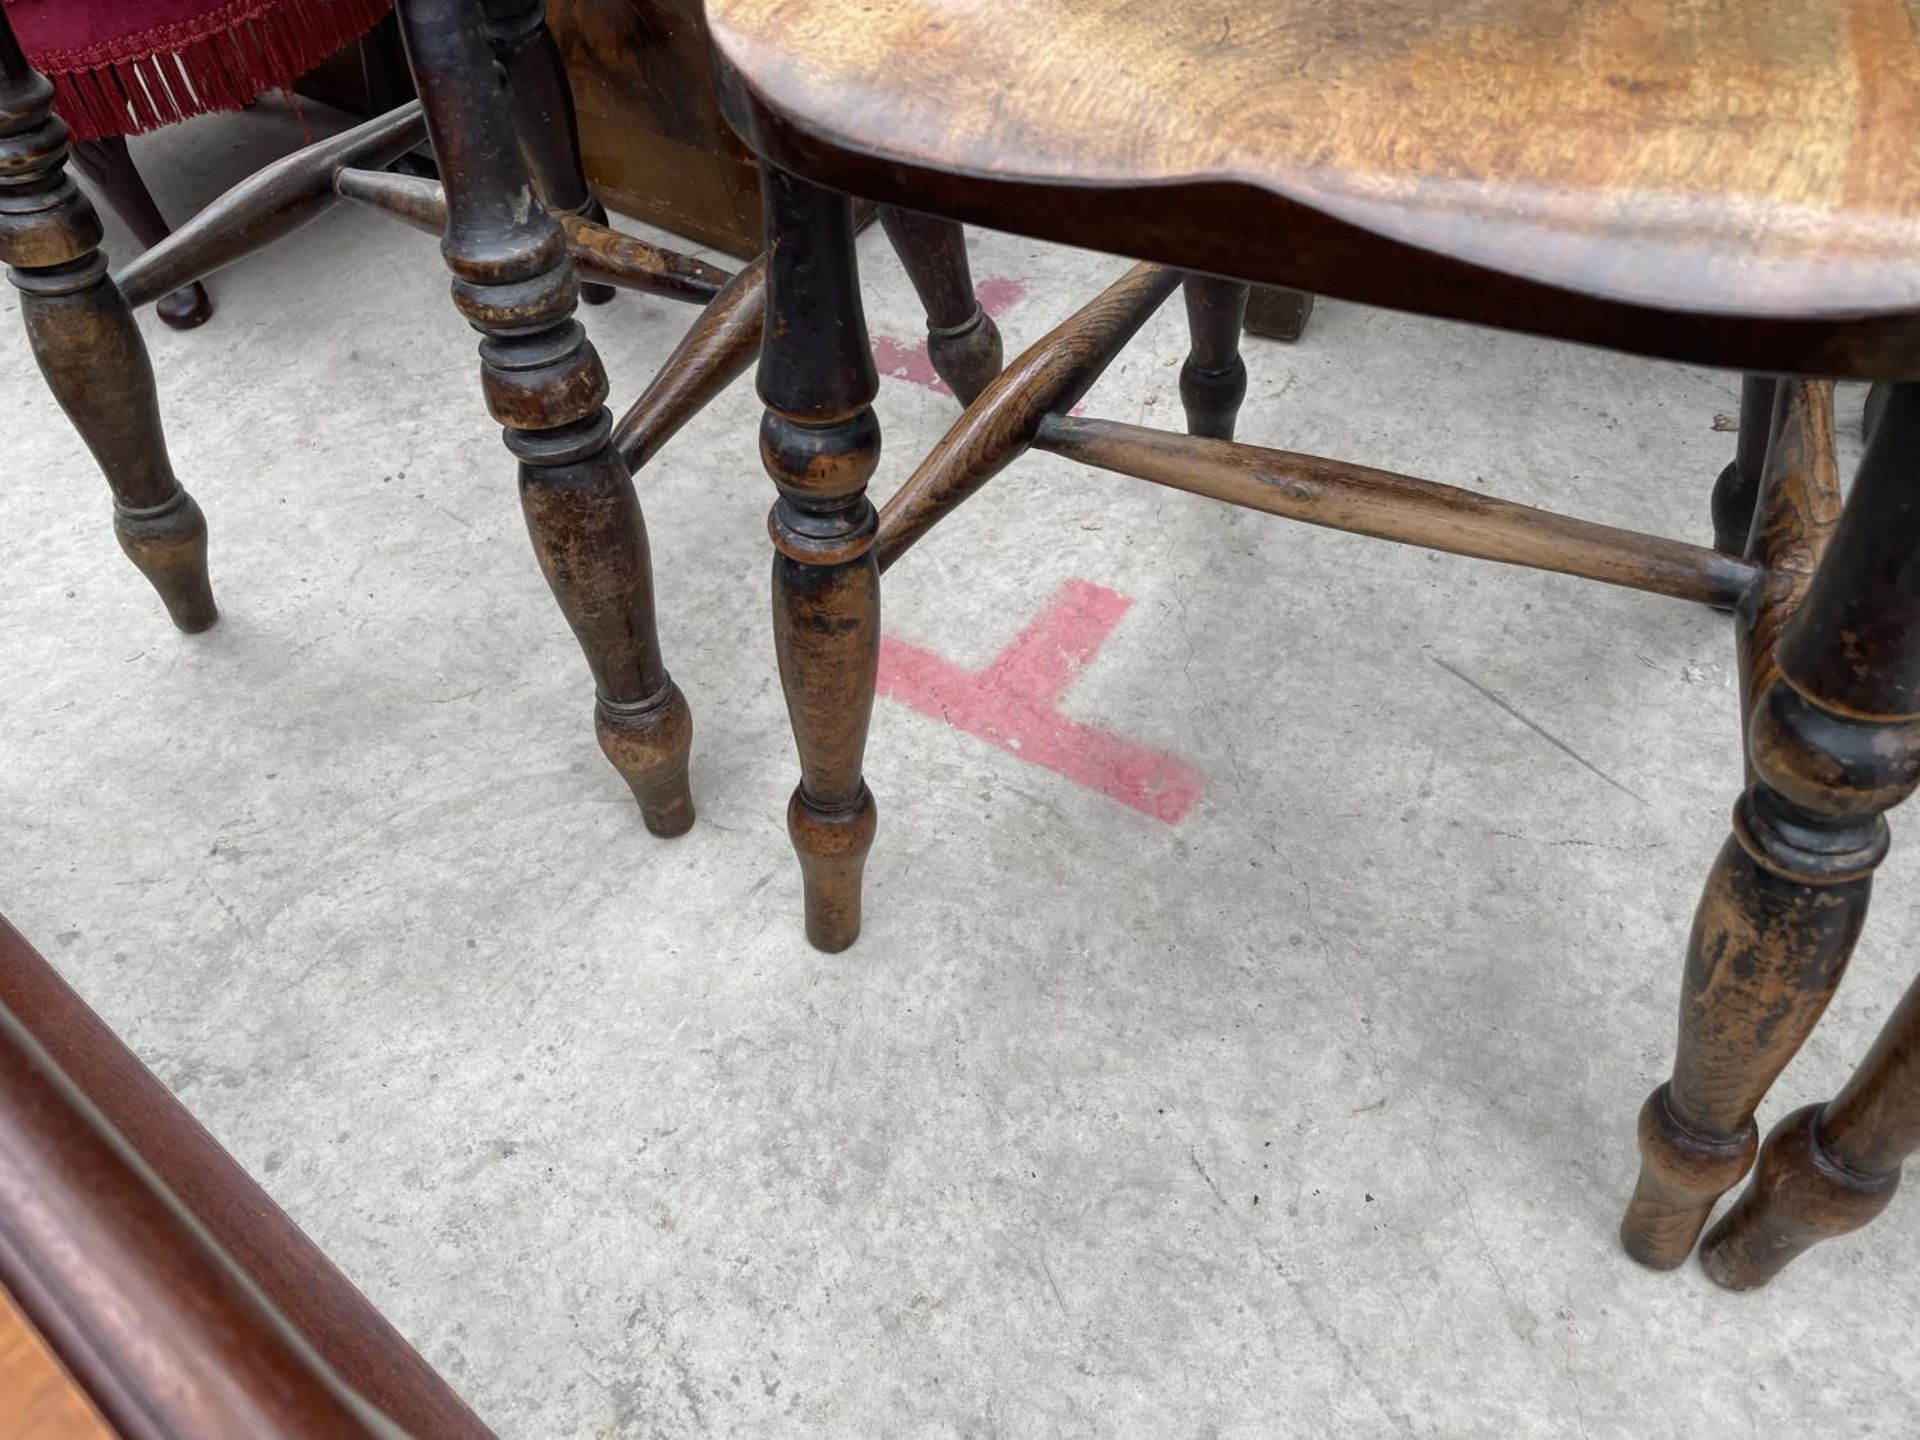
(820, 443)
(1213, 379)
(543, 381)
(87, 345)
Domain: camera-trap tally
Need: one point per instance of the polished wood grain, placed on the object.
(38, 1398)
(294, 1275)
(1358, 498)
(1728, 181)
(162, 1329)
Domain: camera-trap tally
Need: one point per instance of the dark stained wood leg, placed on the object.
(1213, 381)
(84, 337)
(543, 113)
(1739, 483)
(109, 165)
(1826, 1169)
(820, 443)
(1870, 412)
(963, 343)
(1833, 746)
(383, 70)
(545, 384)
(1277, 314)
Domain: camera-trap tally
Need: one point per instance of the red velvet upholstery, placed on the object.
(122, 66)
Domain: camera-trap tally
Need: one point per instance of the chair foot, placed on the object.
(833, 857)
(1682, 1175)
(1799, 1196)
(187, 308)
(648, 743)
(168, 545)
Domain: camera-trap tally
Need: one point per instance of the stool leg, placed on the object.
(109, 165)
(87, 344)
(1739, 483)
(1833, 747)
(1826, 1169)
(1274, 313)
(544, 382)
(820, 443)
(1213, 381)
(963, 343)
(543, 113)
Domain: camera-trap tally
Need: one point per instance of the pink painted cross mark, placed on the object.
(907, 361)
(1014, 703)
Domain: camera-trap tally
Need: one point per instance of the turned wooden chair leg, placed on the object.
(1832, 747)
(1213, 381)
(109, 165)
(543, 113)
(963, 343)
(820, 443)
(1277, 314)
(544, 382)
(1826, 1169)
(84, 337)
(1739, 483)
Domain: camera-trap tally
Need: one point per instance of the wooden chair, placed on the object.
(494, 101)
(1709, 181)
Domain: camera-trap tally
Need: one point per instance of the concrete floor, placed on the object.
(1310, 1114)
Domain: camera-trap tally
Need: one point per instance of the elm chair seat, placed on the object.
(1720, 181)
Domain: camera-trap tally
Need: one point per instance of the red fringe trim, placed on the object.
(217, 61)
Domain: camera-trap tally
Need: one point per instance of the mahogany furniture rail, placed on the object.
(177, 1293)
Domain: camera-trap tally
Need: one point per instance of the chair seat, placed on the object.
(1752, 160)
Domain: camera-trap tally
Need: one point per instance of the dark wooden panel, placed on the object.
(650, 126)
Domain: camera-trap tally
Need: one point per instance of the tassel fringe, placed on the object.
(219, 61)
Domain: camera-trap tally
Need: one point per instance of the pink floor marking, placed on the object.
(907, 360)
(1014, 703)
